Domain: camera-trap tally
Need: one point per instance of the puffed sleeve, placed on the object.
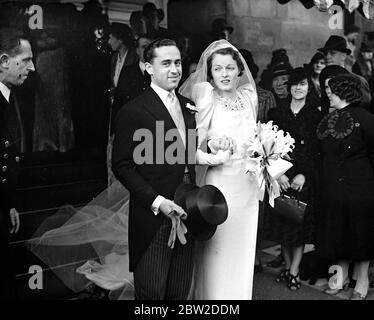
(202, 95)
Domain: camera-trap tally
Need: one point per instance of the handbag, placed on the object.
(290, 208)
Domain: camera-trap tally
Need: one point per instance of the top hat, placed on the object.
(218, 25)
(206, 208)
(336, 43)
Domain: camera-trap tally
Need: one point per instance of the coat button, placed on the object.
(17, 158)
(5, 156)
(4, 168)
(7, 144)
(4, 181)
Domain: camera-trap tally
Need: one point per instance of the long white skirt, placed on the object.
(225, 264)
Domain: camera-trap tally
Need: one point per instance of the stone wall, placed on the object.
(262, 26)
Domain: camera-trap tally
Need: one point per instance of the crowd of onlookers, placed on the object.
(326, 106)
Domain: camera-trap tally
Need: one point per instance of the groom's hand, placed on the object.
(168, 208)
(175, 213)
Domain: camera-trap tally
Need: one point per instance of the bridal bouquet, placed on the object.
(265, 153)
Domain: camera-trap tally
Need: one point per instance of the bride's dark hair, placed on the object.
(225, 51)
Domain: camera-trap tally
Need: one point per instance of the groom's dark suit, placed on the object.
(146, 181)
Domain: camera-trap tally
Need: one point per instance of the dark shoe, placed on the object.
(293, 283)
(283, 276)
(276, 263)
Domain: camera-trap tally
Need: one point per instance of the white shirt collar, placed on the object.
(162, 93)
(5, 91)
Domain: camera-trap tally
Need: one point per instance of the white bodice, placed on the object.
(215, 119)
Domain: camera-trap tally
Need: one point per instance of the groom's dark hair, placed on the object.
(149, 51)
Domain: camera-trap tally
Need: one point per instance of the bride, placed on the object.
(226, 101)
(225, 96)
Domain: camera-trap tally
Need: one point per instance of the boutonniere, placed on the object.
(191, 108)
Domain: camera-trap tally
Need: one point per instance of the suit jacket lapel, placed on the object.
(131, 57)
(113, 66)
(3, 101)
(188, 117)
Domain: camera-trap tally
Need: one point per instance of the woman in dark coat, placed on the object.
(346, 229)
(300, 119)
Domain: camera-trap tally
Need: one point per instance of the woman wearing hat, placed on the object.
(300, 120)
(224, 92)
(345, 231)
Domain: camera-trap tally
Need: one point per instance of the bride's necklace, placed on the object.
(236, 104)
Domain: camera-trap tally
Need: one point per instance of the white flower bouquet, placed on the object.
(265, 153)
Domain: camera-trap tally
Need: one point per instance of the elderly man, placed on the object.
(15, 66)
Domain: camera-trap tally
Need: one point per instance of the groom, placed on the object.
(160, 272)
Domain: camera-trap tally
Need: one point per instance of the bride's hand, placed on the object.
(224, 143)
(232, 145)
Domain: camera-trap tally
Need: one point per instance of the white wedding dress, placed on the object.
(225, 263)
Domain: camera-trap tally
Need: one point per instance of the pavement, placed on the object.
(265, 288)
